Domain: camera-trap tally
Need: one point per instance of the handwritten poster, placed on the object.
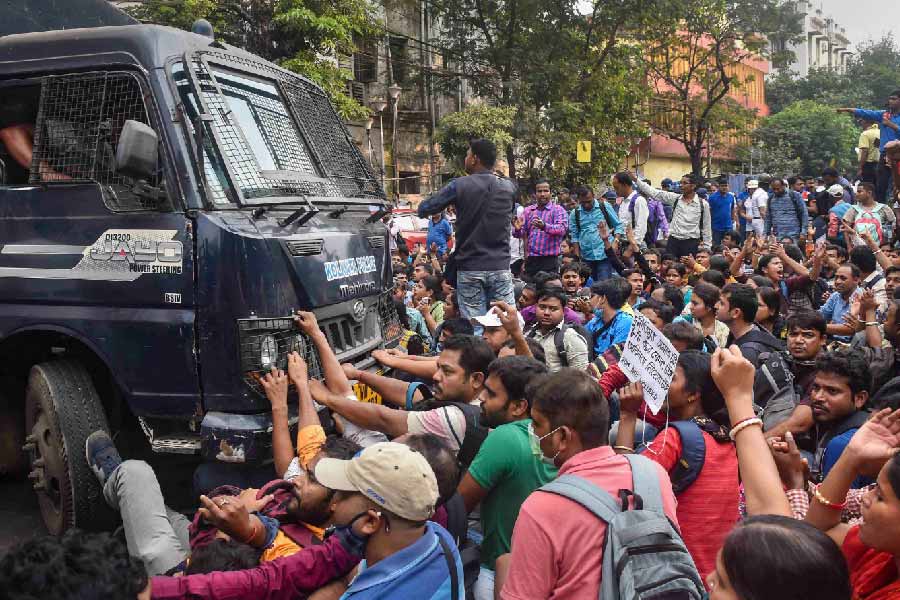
(650, 358)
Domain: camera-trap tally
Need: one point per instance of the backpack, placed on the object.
(773, 388)
(870, 220)
(475, 434)
(469, 551)
(693, 455)
(871, 284)
(643, 553)
(799, 207)
(559, 342)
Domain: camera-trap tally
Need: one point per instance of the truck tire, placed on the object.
(62, 408)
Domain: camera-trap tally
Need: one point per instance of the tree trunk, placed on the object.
(511, 160)
(696, 154)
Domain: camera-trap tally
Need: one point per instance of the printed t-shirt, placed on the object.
(708, 508)
(507, 467)
(447, 422)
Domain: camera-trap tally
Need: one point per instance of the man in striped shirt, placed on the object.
(544, 226)
(690, 227)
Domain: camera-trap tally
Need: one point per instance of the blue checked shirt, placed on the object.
(586, 236)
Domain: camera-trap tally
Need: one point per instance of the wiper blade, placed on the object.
(301, 215)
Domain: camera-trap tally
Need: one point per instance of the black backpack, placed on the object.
(475, 434)
(559, 341)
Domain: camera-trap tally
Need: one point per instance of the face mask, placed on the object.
(536, 446)
(346, 529)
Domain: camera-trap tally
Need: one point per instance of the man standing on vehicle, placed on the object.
(889, 123)
(484, 207)
(544, 226)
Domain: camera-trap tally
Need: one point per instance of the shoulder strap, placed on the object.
(559, 340)
(645, 482)
(798, 206)
(632, 202)
(585, 493)
(693, 455)
(474, 436)
(874, 281)
(578, 220)
(451, 566)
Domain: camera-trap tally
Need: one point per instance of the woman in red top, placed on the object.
(872, 549)
(707, 508)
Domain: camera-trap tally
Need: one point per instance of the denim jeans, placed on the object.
(484, 585)
(155, 534)
(600, 269)
(476, 290)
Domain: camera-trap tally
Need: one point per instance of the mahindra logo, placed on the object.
(358, 311)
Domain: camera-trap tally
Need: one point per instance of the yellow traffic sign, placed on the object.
(584, 151)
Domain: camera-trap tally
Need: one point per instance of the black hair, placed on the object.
(683, 331)
(829, 172)
(485, 151)
(891, 270)
(77, 566)
(764, 261)
(540, 181)
(664, 311)
(849, 365)
(572, 266)
(762, 281)
(537, 351)
(893, 474)
(516, 373)
(475, 356)
(552, 291)
(542, 277)
(402, 249)
(459, 326)
(399, 270)
(794, 252)
(682, 270)
(792, 180)
(743, 297)
(674, 296)
(582, 190)
(709, 293)
(854, 270)
(771, 298)
(773, 556)
(864, 258)
(807, 319)
(339, 447)
(402, 315)
(690, 177)
(713, 277)
(615, 289)
(841, 251)
(696, 365)
(624, 178)
(432, 283)
(440, 458)
(573, 398)
(654, 252)
(427, 267)
(222, 555)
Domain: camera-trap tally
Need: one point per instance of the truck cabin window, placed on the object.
(18, 117)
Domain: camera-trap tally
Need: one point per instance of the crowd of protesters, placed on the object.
(509, 456)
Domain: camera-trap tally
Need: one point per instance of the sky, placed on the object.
(863, 19)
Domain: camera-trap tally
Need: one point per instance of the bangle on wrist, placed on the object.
(628, 449)
(743, 425)
(826, 502)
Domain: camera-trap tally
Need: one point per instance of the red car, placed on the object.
(413, 229)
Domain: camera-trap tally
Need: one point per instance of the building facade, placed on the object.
(824, 43)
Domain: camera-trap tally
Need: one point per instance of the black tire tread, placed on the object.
(78, 412)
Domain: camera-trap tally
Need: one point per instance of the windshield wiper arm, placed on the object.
(301, 216)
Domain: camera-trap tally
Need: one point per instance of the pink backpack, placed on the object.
(870, 220)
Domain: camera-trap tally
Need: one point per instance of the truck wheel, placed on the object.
(61, 409)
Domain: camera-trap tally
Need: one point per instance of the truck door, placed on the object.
(87, 252)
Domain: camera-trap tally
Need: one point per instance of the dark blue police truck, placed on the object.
(167, 202)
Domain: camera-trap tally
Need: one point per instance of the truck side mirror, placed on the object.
(137, 152)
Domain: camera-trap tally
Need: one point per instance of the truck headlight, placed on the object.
(268, 352)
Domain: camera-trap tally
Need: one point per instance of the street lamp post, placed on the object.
(378, 106)
(394, 94)
(369, 122)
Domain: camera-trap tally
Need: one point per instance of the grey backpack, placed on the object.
(644, 557)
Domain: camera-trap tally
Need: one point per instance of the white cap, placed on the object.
(837, 190)
(491, 319)
(752, 184)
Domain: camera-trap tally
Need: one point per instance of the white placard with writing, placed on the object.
(650, 358)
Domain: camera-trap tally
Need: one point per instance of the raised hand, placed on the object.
(733, 375)
(631, 397)
(228, 514)
(689, 262)
(603, 229)
(876, 441)
(297, 369)
(867, 302)
(275, 384)
(306, 322)
(792, 467)
(350, 371)
(508, 316)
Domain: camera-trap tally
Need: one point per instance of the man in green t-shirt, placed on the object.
(506, 469)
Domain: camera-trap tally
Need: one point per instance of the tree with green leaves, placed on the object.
(304, 36)
(694, 65)
(568, 75)
(475, 121)
(805, 137)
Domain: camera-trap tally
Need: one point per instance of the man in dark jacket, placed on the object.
(484, 210)
(737, 308)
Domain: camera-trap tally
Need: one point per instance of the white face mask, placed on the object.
(536, 446)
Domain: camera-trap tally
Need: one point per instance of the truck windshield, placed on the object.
(255, 151)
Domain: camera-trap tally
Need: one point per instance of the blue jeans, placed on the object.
(600, 269)
(475, 290)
